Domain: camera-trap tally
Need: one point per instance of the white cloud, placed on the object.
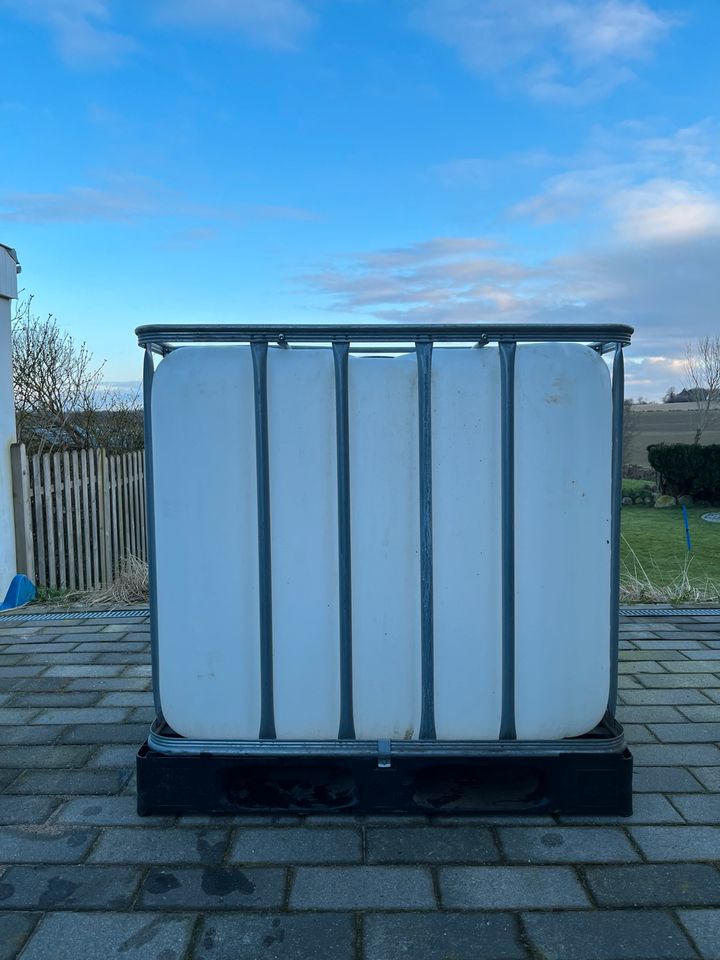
(636, 184)
(567, 51)
(129, 198)
(274, 23)
(79, 28)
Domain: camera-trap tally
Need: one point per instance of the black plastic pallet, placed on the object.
(568, 783)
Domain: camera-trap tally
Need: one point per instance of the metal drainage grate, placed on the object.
(79, 615)
(669, 611)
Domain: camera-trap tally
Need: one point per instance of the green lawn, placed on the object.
(657, 537)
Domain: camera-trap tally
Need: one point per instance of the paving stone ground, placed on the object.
(83, 878)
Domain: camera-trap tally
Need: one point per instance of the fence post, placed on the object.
(104, 534)
(24, 552)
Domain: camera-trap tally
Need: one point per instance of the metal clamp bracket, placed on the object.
(384, 748)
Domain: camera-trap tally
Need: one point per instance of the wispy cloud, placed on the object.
(84, 37)
(273, 23)
(130, 199)
(637, 184)
(80, 29)
(566, 51)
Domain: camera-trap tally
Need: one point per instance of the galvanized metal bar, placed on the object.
(427, 640)
(618, 401)
(148, 374)
(507, 483)
(162, 336)
(259, 350)
(341, 351)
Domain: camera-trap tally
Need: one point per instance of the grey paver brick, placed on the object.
(80, 782)
(96, 670)
(276, 937)
(678, 843)
(67, 698)
(39, 757)
(142, 715)
(21, 671)
(147, 844)
(55, 647)
(105, 733)
(635, 667)
(703, 654)
(675, 644)
(667, 779)
(114, 646)
(566, 844)
(630, 656)
(29, 735)
(673, 681)
(362, 888)
(25, 810)
(647, 808)
(130, 698)
(11, 716)
(213, 888)
(89, 936)
(699, 808)
(109, 683)
(44, 844)
(53, 659)
(426, 844)
(82, 715)
(649, 714)
(15, 928)
(708, 776)
(636, 733)
(104, 811)
(138, 671)
(703, 713)
(607, 935)
(510, 888)
(704, 927)
(296, 845)
(692, 666)
(116, 755)
(7, 776)
(458, 936)
(662, 697)
(654, 885)
(63, 887)
(688, 732)
(681, 755)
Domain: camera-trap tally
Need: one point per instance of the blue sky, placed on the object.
(318, 160)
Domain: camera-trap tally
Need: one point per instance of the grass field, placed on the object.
(654, 550)
(664, 423)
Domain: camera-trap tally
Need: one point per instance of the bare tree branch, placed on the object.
(60, 400)
(702, 371)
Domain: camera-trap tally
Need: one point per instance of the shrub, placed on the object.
(687, 468)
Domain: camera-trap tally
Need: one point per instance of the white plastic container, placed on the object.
(208, 630)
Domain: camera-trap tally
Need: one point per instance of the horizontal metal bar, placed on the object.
(163, 335)
(612, 742)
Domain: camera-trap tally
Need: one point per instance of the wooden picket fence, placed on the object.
(78, 514)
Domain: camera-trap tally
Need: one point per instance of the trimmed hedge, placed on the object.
(687, 468)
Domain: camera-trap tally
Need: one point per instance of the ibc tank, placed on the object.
(414, 541)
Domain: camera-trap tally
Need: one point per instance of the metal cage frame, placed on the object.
(390, 339)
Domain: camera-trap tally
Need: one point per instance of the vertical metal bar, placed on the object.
(148, 373)
(341, 352)
(507, 483)
(618, 399)
(259, 351)
(423, 350)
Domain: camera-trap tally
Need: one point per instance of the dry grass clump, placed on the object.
(640, 585)
(129, 586)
